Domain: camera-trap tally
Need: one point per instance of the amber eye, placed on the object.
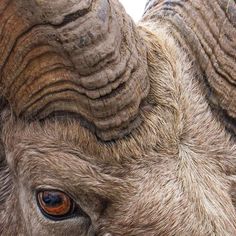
(55, 204)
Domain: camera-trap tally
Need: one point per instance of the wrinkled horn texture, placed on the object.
(207, 29)
(80, 57)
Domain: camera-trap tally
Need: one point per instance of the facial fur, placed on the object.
(171, 176)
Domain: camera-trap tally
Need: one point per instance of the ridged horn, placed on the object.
(207, 29)
(82, 57)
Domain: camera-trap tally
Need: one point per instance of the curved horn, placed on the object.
(82, 57)
(207, 29)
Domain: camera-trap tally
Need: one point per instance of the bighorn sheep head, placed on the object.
(110, 128)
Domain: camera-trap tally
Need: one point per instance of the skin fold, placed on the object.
(127, 120)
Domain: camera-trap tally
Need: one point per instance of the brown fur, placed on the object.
(172, 176)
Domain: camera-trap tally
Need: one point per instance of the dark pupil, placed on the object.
(52, 199)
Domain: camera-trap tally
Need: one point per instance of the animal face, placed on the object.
(110, 132)
(122, 193)
(166, 178)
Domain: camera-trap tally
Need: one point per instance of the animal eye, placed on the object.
(55, 205)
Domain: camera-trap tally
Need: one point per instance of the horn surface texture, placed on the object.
(207, 30)
(80, 57)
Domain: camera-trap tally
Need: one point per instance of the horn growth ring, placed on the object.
(91, 64)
